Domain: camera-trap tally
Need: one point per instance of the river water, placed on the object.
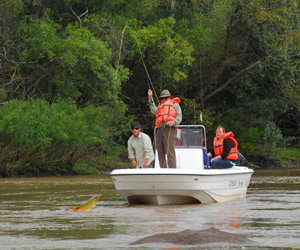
(36, 213)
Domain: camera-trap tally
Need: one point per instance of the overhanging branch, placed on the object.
(295, 56)
(231, 80)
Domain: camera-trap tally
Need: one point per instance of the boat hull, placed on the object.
(181, 186)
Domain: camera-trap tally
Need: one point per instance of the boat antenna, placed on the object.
(201, 88)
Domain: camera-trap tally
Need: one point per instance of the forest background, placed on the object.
(75, 73)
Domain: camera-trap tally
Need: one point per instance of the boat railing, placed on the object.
(188, 136)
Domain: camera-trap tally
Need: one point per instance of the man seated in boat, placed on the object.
(225, 152)
(140, 150)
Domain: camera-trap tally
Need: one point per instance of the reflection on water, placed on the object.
(36, 213)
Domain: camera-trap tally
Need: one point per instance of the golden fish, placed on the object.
(87, 205)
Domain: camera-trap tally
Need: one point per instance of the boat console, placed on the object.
(190, 147)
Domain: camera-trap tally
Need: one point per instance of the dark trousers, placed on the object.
(220, 163)
(165, 145)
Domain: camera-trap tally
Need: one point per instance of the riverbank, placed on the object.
(254, 162)
(279, 158)
(264, 163)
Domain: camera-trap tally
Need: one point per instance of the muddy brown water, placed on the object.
(36, 213)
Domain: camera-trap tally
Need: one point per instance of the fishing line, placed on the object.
(144, 64)
(140, 52)
(119, 58)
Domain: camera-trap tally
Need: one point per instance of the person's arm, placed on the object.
(212, 153)
(178, 118)
(148, 149)
(151, 102)
(131, 153)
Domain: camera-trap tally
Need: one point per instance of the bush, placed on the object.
(36, 136)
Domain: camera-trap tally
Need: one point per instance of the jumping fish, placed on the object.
(88, 204)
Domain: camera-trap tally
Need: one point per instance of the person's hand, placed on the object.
(171, 123)
(145, 165)
(150, 93)
(133, 162)
(209, 155)
(212, 159)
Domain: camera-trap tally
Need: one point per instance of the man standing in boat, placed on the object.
(225, 152)
(140, 150)
(168, 117)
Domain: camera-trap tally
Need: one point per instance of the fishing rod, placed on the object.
(149, 81)
(150, 84)
(243, 160)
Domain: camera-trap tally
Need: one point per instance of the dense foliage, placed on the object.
(36, 137)
(74, 73)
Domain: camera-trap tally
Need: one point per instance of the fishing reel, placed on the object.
(164, 125)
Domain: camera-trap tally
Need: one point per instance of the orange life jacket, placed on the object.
(219, 146)
(165, 111)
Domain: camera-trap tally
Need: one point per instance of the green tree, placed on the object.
(38, 137)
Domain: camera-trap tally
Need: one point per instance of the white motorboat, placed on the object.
(191, 182)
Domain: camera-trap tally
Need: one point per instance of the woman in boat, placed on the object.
(225, 152)
(140, 150)
(168, 117)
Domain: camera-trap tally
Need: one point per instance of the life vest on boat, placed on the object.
(165, 111)
(219, 146)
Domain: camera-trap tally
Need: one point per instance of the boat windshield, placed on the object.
(190, 138)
